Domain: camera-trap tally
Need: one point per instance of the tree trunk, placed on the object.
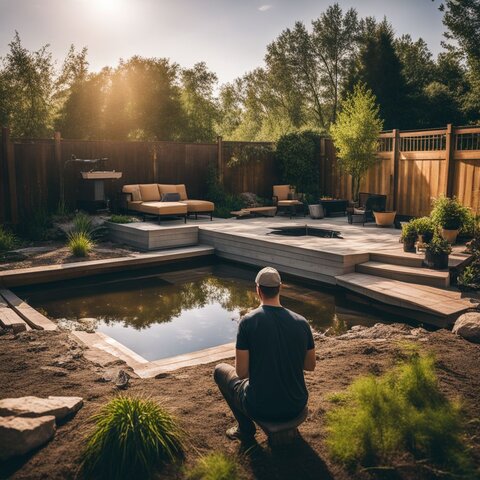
(355, 188)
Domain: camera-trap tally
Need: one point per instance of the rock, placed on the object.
(55, 371)
(380, 332)
(121, 379)
(59, 407)
(250, 199)
(19, 435)
(468, 326)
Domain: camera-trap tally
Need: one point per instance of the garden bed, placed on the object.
(51, 363)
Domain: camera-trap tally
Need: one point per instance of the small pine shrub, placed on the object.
(132, 436)
(401, 412)
(121, 219)
(8, 241)
(79, 244)
(214, 466)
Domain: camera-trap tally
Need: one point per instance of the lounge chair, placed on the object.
(368, 203)
(284, 196)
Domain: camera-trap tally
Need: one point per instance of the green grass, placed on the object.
(79, 244)
(8, 241)
(121, 219)
(401, 412)
(214, 466)
(82, 223)
(132, 437)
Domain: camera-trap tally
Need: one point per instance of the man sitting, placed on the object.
(274, 346)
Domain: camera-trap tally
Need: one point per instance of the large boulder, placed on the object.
(19, 435)
(59, 407)
(468, 326)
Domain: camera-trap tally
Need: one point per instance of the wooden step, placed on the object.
(446, 304)
(403, 273)
(397, 257)
(9, 319)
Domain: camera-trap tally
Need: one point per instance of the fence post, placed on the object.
(395, 160)
(8, 155)
(220, 165)
(450, 159)
(57, 152)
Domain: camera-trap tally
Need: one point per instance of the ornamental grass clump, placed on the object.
(132, 437)
(214, 466)
(399, 415)
(79, 244)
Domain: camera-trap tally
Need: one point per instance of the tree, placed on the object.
(199, 104)
(355, 134)
(26, 90)
(379, 67)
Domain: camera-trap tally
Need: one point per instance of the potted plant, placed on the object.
(423, 226)
(409, 236)
(315, 208)
(450, 215)
(437, 252)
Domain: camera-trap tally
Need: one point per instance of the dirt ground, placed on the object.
(55, 253)
(51, 363)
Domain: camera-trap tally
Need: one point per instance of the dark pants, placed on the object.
(233, 390)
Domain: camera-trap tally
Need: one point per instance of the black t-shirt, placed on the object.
(277, 340)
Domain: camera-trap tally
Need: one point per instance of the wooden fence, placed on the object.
(412, 168)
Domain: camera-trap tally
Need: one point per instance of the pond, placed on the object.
(171, 311)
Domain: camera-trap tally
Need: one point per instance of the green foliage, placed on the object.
(355, 134)
(244, 154)
(132, 437)
(297, 155)
(8, 241)
(471, 225)
(214, 466)
(423, 226)
(439, 246)
(449, 213)
(469, 278)
(79, 243)
(409, 232)
(122, 219)
(403, 411)
(38, 226)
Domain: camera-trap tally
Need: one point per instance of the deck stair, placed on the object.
(405, 273)
(443, 304)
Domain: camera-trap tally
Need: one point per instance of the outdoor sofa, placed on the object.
(156, 199)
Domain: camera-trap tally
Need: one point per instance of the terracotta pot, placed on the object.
(450, 235)
(437, 262)
(384, 219)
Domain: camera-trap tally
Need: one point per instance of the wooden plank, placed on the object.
(9, 319)
(34, 318)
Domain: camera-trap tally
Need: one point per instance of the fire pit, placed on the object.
(305, 231)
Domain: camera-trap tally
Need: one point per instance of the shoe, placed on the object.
(234, 433)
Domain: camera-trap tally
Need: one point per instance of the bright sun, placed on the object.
(105, 5)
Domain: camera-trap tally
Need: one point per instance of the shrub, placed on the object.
(401, 412)
(449, 213)
(214, 466)
(470, 226)
(469, 279)
(132, 437)
(79, 244)
(439, 246)
(8, 241)
(297, 155)
(409, 232)
(121, 219)
(423, 226)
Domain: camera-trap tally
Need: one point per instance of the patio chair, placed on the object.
(284, 196)
(368, 203)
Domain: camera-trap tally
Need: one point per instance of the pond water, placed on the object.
(162, 313)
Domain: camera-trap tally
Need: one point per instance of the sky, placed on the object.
(229, 35)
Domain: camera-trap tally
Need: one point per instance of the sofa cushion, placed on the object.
(182, 191)
(288, 203)
(135, 205)
(167, 188)
(134, 190)
(170, 197)
(163, 208)
(281, 191)
(199, 206)
(149, 192)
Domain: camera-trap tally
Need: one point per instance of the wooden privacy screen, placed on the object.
(412, 168)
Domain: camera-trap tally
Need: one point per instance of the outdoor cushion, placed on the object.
(281, 191)
(166, 188)
(163, 208)
(182, 191)
(288, 203)
(134, 190)
(199, 205)
(170, 197)
(149, 192)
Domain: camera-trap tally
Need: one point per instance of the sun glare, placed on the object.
(105, 5)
